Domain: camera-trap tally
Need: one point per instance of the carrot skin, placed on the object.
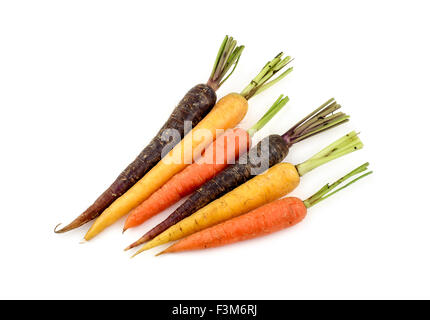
(267, 219)
(229, 146)
(248, 165)
(195, 105)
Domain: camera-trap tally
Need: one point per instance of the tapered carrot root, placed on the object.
(227, 147)
(267, 219)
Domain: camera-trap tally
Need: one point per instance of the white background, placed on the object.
(84, 85)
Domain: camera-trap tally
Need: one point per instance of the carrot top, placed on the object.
(347, 144)
(260, 82)
(228, 56)
(321, 119)
(330, 189)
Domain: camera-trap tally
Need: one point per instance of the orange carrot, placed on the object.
(272, 217)
(224, 151)
(267, 219)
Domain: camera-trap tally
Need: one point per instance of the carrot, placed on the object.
(192, 108)
(226, 114)
(229, 146)
(275, 183)
(268, 152)
(267, 219)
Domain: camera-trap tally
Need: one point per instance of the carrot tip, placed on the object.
(55, 229)
(160, 253)
(131, 246)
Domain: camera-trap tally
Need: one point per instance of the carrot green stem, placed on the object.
(228, 56)
(319, 120)
(260, 82)
(347, 144)
(274, 109)
(329, 189)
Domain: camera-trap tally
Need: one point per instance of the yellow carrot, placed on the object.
(226, 114)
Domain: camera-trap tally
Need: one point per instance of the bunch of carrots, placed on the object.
(234, 189)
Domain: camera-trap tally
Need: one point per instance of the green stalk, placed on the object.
(347, 144)
(328, 189)
(260, 82)
(321, 119)
(228, 56)
(267, 85)
(344, 141)
(218, 57)
(274, 109)
(315, 117)
(321, 126)
(316, 111)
